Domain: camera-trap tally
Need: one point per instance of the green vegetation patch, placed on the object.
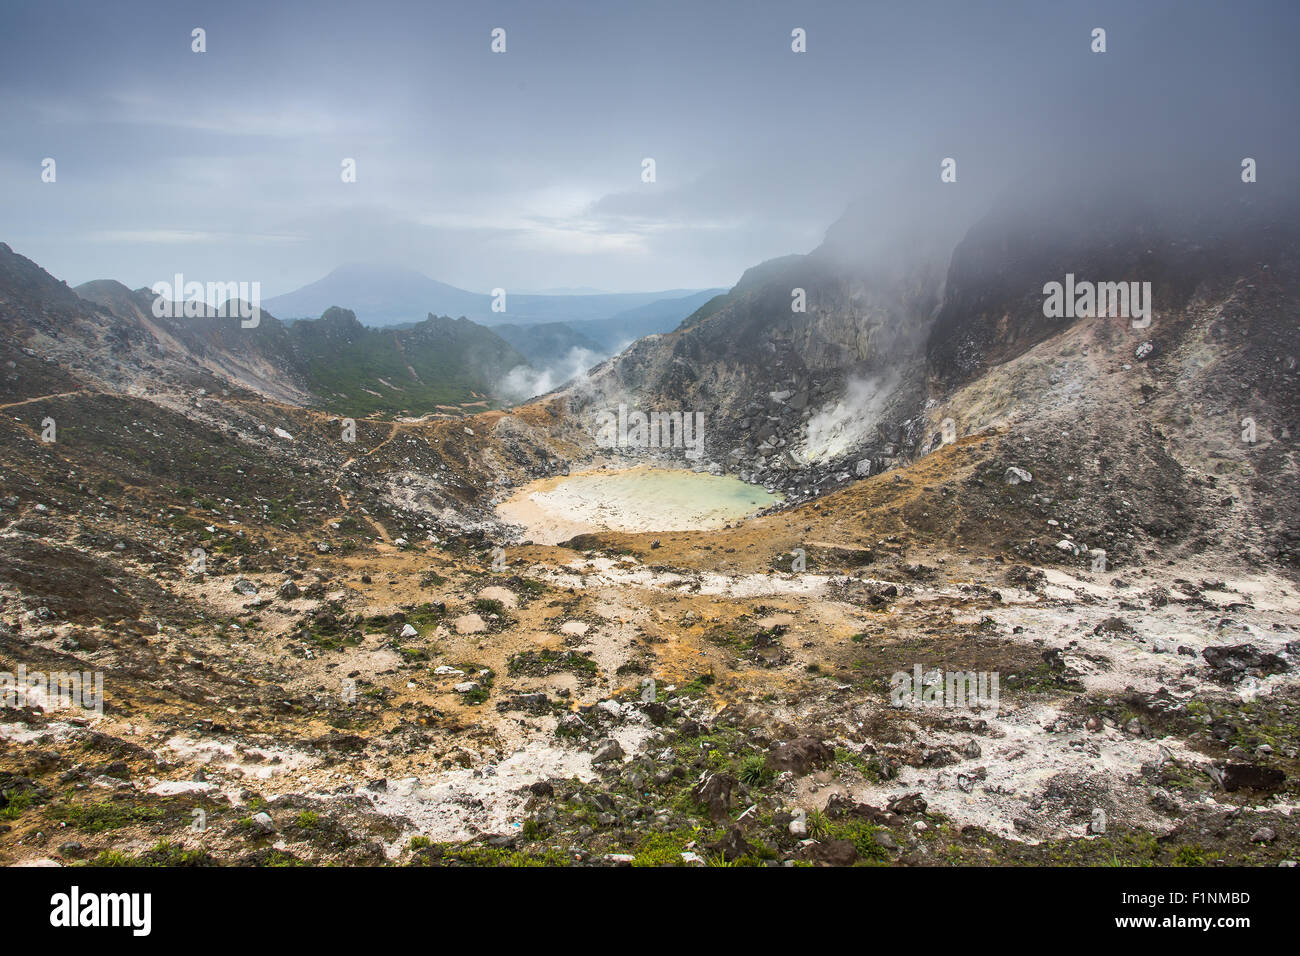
(545, 662)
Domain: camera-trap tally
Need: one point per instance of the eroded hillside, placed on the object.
(337, 651)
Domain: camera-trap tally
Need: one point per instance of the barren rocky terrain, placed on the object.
(317, 650)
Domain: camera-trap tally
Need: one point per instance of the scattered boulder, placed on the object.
(1113, 626)
(799, 755)
(574, 726)
(611, 709)
(715, 791)
(799, 825)
(656, 712)
(840, 805)
(733, 845)
(607, 751)
(831, 852)
(908, 803)
(1250, 776)
(1017, 476)
(1234, 661)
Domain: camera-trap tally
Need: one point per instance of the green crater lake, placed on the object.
(643, 498)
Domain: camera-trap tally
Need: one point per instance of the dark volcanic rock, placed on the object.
(1236, 660)
(733, 845)
(908, 803)
(799, 756)
(839, 806)
(1249, 776)
(715, 792)
(831, 852)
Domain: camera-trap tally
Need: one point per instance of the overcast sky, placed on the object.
(523, 169)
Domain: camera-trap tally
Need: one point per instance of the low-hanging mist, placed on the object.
(526, 381)
(847, 423)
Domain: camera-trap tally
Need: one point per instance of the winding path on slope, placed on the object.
(343, 498)
(46, 398)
